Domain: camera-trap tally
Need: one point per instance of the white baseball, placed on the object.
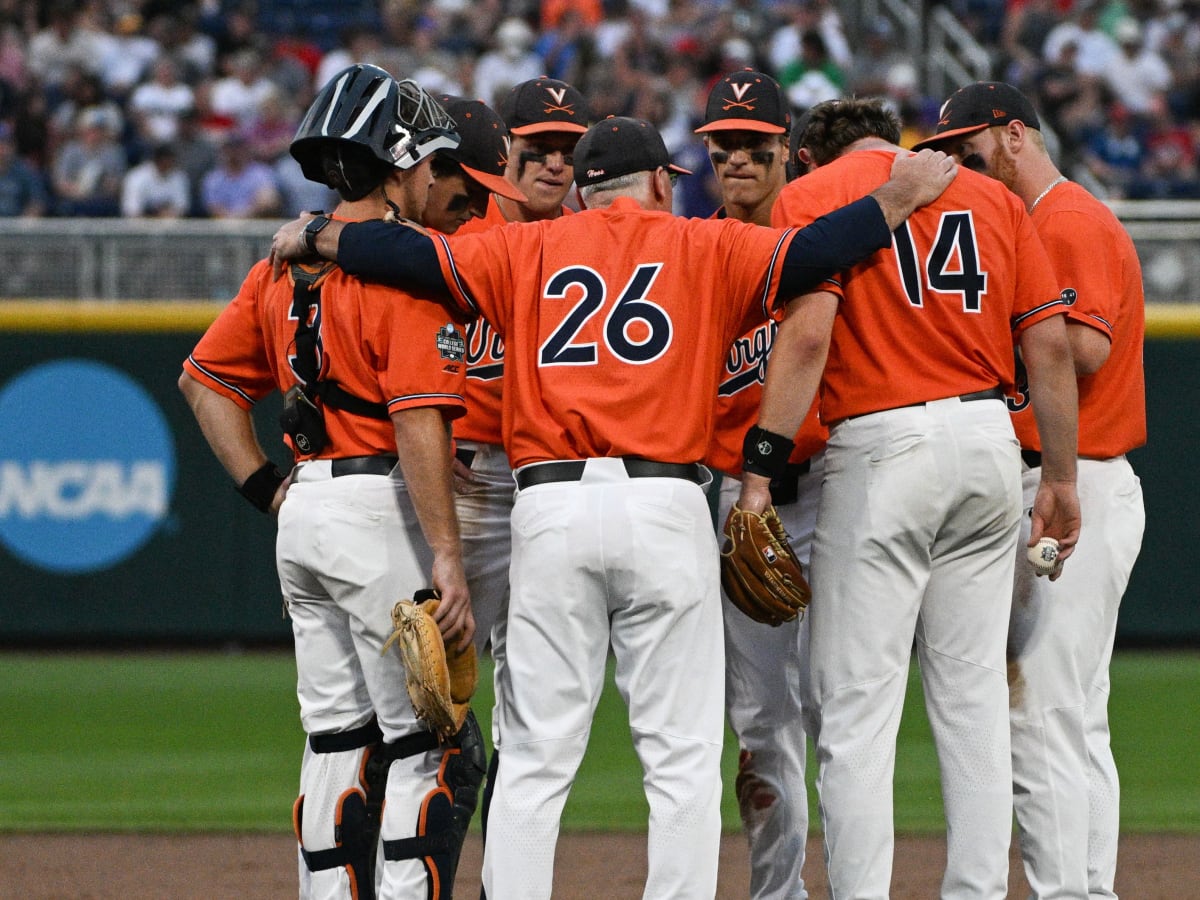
(1043, 555)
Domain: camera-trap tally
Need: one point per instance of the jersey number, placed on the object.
(636, 330)
(951, 265)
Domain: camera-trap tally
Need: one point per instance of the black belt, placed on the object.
(572, 470)
(464, 456)
(362, 465)
(1033, 458)
(988, 394)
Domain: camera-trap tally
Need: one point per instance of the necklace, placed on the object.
(1051, 186)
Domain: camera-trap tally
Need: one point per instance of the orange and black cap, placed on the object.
(544, 105)
(483, 149)
(978, 106)
(747, 100)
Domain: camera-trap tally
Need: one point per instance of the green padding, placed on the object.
(208, 573)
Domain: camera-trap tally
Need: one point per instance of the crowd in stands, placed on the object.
(170, 108)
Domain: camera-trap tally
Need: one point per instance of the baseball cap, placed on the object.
(747, 100)
(544, 104)
(978, 106)
(482, 150)
(618, 146)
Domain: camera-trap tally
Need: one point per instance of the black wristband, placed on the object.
(311, 230)
(765, 453)
(260, 487)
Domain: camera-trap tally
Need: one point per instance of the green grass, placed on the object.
(211, 741)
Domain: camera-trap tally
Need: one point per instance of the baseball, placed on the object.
(1043, 555)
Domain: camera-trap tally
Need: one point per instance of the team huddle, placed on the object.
(516, 400)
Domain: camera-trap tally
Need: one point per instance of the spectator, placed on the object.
(62, 45)
(509, 63)
(88, 169)
(156, 188)
(1022, 35)
(155, 106)
(1094, 48)
(197, 156)
(240, 187)
(1115, 154)
(814, 77)
(82, 90)
(1137, 76)
(238, 95)
(1169, 170)
(804, 16)
(272, 128)
(297, 193)
(568, 48)
(873, 61)
(193, 51)
(22, 191)
(126, 55)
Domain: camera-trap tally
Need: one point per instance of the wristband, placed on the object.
(311, 230)
(765, 453)
(261, 486)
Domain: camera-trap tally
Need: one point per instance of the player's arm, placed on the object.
(848, 235)
(1053, 392)
(423, 446)
(797, 361)
(386, 252)
(1089, 348)
(229, 430)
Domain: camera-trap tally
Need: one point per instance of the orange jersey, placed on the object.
(937, 314)
(485, 358)
(376, 343)
(740, 396)
(1101, 280)
(616, 322)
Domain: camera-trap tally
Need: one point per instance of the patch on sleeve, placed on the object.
(450, 343)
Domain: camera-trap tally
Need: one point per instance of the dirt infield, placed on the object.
(589, 867)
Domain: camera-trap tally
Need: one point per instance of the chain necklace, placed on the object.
(1051, 186)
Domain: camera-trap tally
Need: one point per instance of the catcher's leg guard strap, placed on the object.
(335, 806)
(447, 809)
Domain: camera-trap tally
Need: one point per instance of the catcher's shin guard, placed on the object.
(446, 811)
(336, 817)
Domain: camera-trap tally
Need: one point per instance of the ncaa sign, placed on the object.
(87, 466)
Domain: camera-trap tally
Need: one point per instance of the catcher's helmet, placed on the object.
(396, 121)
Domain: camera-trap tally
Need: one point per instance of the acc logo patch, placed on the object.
(1068, 296)
(450, 343)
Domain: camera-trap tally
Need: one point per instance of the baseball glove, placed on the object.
(440, 681)
(759, 569)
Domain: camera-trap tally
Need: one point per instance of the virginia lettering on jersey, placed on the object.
(485, 351)
(746, 364)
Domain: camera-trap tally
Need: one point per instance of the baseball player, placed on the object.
(544, 118)
(746, 132)
(1065, 785)
(605, 314)
(917, 527)
(371, 378)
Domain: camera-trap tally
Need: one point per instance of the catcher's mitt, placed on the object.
(759, 569)
(440, 681)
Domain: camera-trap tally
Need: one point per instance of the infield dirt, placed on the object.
(589, 867)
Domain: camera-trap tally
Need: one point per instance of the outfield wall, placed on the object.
(117, 524)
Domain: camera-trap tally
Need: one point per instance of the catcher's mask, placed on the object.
(396, 121)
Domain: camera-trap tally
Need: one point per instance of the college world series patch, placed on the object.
(450, 343)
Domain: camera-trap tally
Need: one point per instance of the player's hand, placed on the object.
(281, 493)
(924, 176)
(1056, 515)
(288, 244)
(756, 493)
(454, 617)
(463, 476)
